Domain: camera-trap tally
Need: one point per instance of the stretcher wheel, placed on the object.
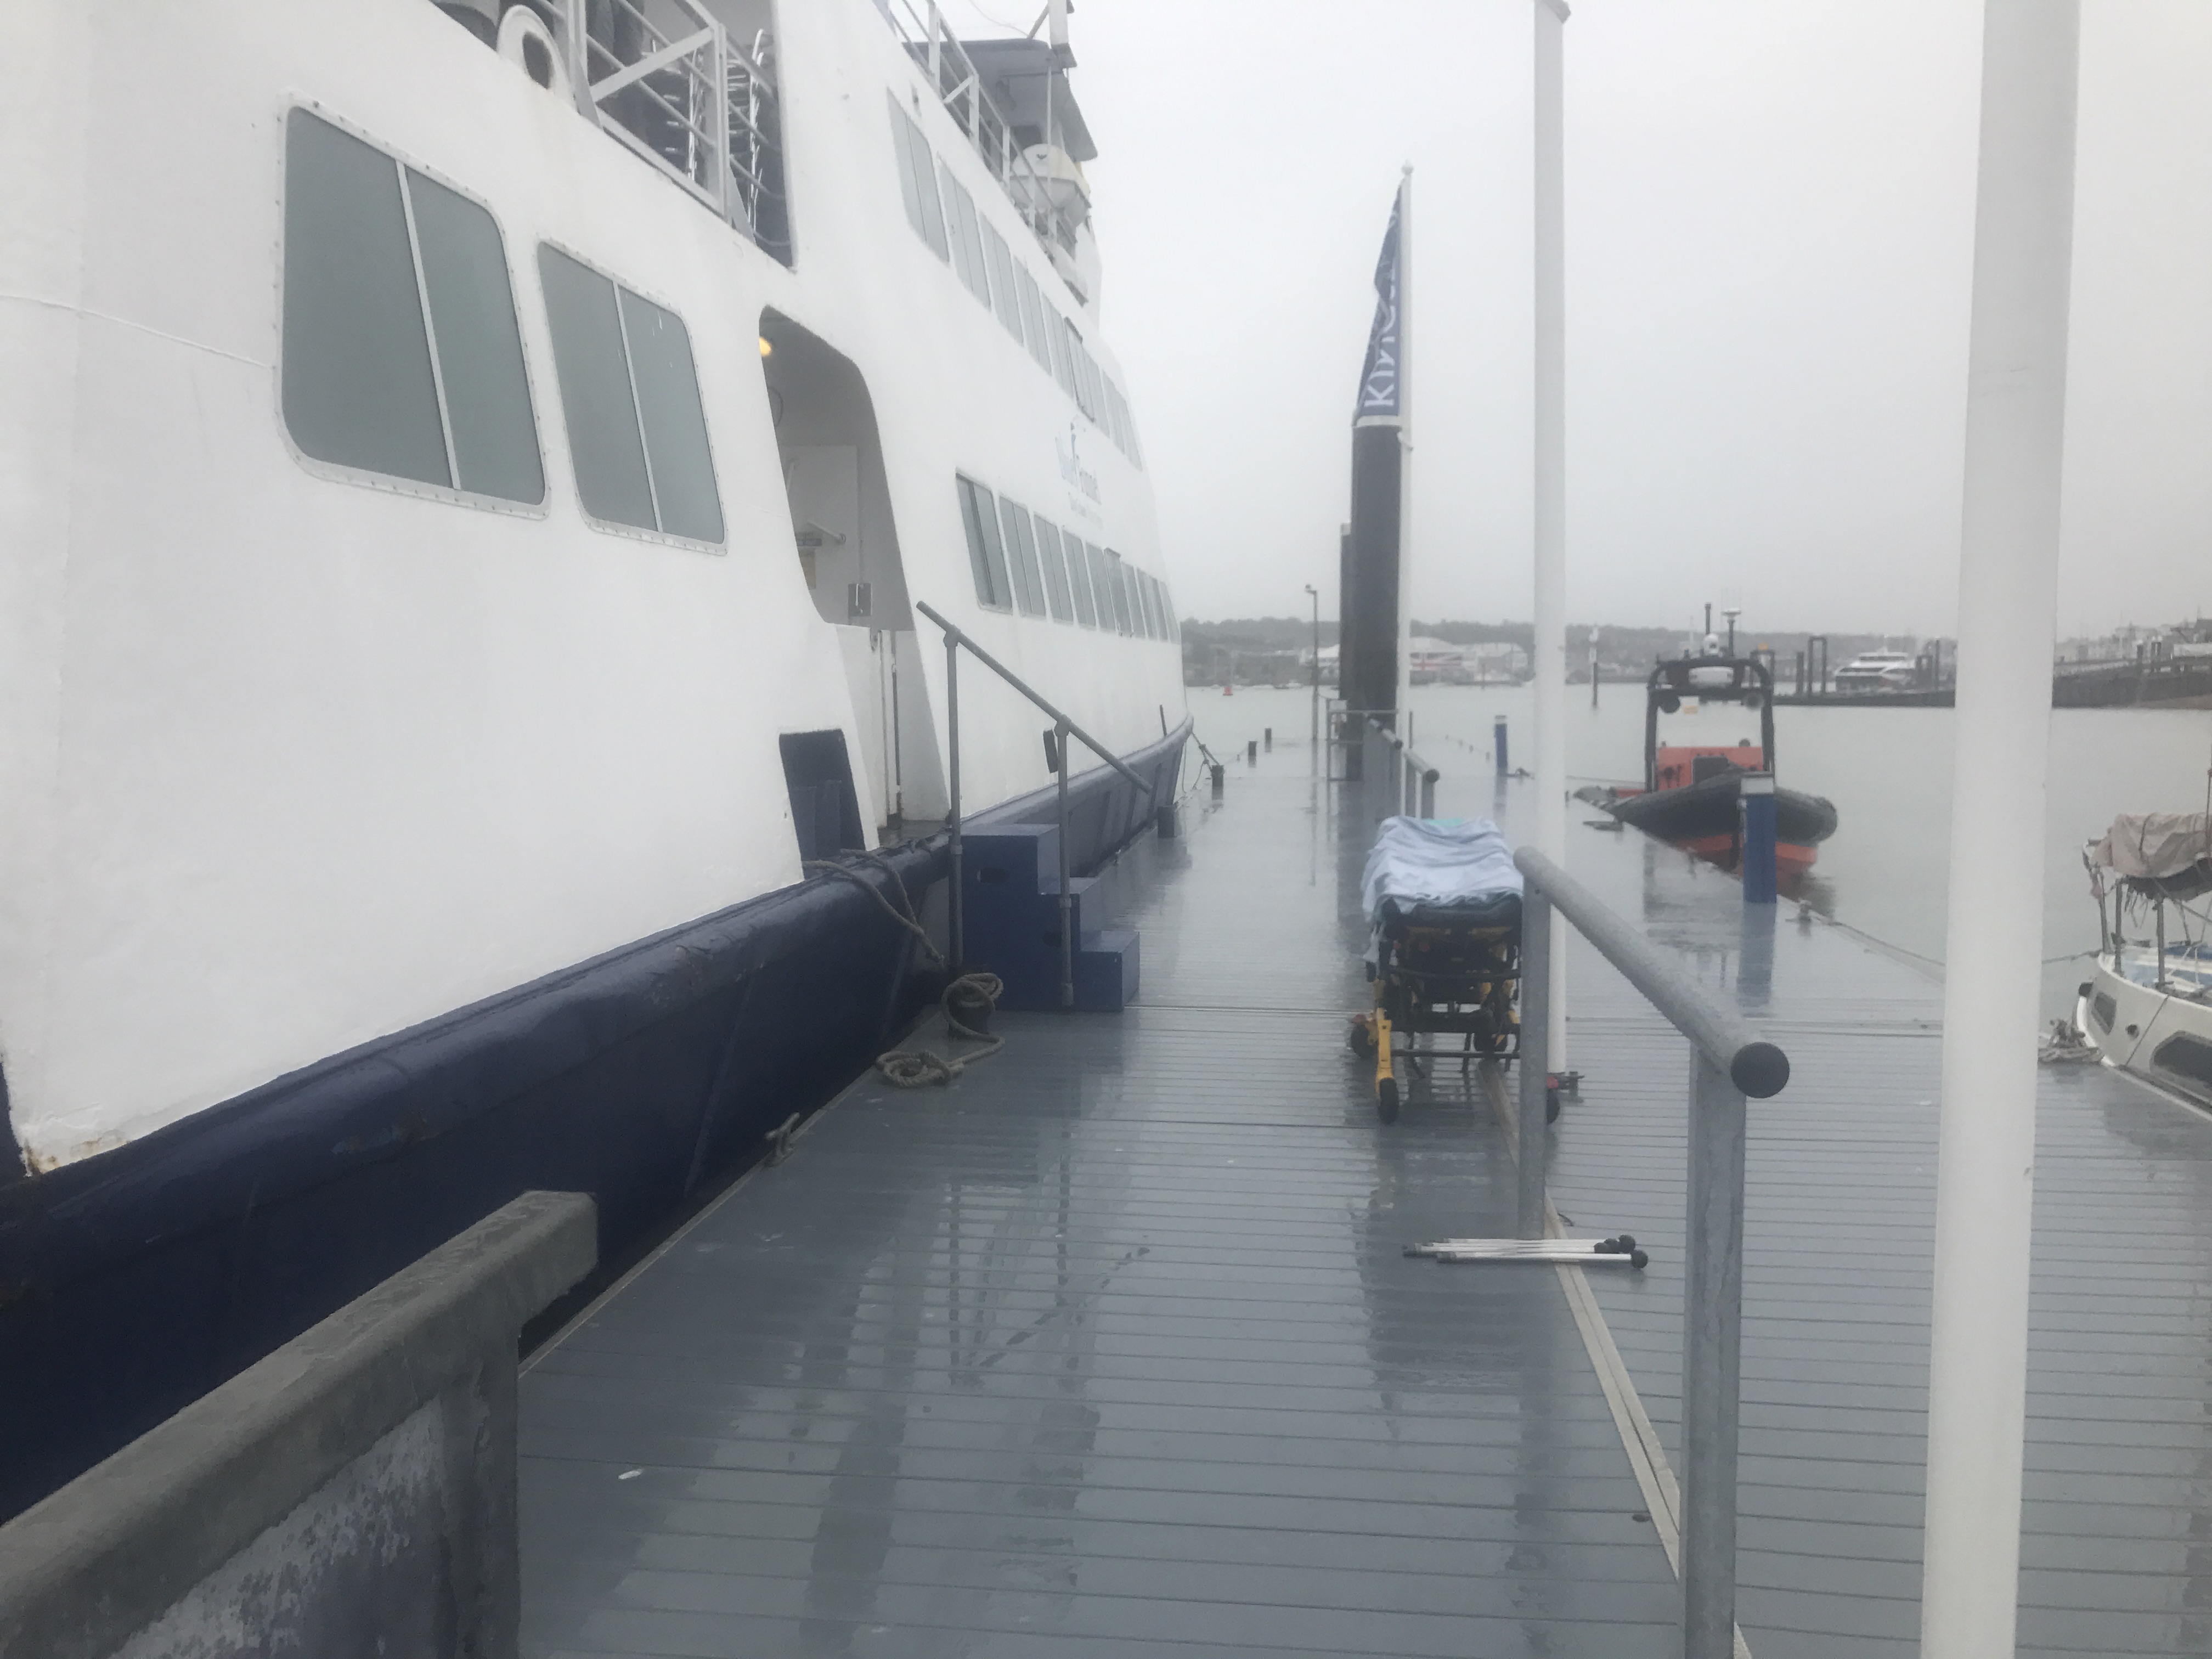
(1386, 1099)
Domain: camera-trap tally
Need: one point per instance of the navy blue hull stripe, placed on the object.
(132, 1282)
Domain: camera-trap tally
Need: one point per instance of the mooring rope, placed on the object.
(967, 1002)
(971, 995)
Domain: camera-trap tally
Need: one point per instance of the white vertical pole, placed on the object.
(1405, 439)
(1549, 659)
(2008, 576)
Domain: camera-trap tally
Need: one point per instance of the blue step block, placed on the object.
(1010, 881)
(1106, 970)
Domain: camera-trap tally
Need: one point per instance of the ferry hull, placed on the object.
(138, 1279)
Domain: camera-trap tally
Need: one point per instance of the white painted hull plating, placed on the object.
(293, 763)
(2164, 1036)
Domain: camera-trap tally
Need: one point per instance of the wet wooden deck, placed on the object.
(1110, 1349)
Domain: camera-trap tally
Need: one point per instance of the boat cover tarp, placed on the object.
(2155, 846)
(1437, 861)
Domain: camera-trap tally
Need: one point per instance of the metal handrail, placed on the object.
(1730, 1060)
(1063, 729)
(1416, 786)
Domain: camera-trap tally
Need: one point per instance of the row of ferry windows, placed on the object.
(1022, 559)
(943, 213)
(402, 355)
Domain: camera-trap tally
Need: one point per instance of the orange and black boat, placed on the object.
(1691, 791)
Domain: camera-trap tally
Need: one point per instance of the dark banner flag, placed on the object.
(1379, 376)
(1369, 607)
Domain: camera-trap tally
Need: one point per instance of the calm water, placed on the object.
(1888, 771)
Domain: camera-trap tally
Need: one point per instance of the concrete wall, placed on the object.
(351, 1494)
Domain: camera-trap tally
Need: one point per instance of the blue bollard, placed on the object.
(1498, 738)
(1757, 794)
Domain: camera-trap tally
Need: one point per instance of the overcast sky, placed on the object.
(1770, 214)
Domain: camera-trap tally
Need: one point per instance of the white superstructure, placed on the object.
(321, 715)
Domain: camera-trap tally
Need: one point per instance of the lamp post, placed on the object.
(1314, 740)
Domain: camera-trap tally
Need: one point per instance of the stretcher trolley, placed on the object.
(1442, 900)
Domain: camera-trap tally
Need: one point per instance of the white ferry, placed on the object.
(1877, 670)
(469, 473)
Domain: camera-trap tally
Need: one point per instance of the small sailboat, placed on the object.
(2146, 1004)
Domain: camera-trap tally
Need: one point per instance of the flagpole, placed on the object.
(1405, 438)
(2008, 589)
(1548, 654)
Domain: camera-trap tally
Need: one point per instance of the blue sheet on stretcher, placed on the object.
(1450, 869)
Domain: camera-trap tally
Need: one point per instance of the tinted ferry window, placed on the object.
(986, 558)
(621, 359)
(1001, 262)
(1021, 550)
(1055, 572)
(1035, 312)
(1103, 584)
(1078, 582)
(401, 354)
(918, 181)
(966, 236)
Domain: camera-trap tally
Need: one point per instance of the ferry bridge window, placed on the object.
(401, 356)
(987, 559)
(1001, 259)
(918, 181)
(965, 235)
(1055, 572)
(1021, 549)
(629, 389)
(1034, 312)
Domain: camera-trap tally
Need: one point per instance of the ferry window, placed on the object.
(1021, 550)
(1055, 572)
(372, 250)
(965, 235)
(918, 181)
(1034, 312)
(1104, 585)
(1086, 378)
(1000, 260)
(1151, 605)
(676, 453)
(986, 557)
(1168, 614)
(1129, 444)
(636, 432)
(1063, 367)
(1134, 604)
(1117, 412)
(1079, 581)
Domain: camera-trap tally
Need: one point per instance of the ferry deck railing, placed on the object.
(1729, 1060)
(665, 79)
(1413, 781)
(1056, 755)
(960, 88)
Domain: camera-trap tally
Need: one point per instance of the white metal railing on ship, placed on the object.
(960, 87)
(665, 78)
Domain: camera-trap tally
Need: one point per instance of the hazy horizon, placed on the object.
(1769, 237)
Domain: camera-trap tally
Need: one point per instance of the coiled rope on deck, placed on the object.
(968, 1000)
(971, 994)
